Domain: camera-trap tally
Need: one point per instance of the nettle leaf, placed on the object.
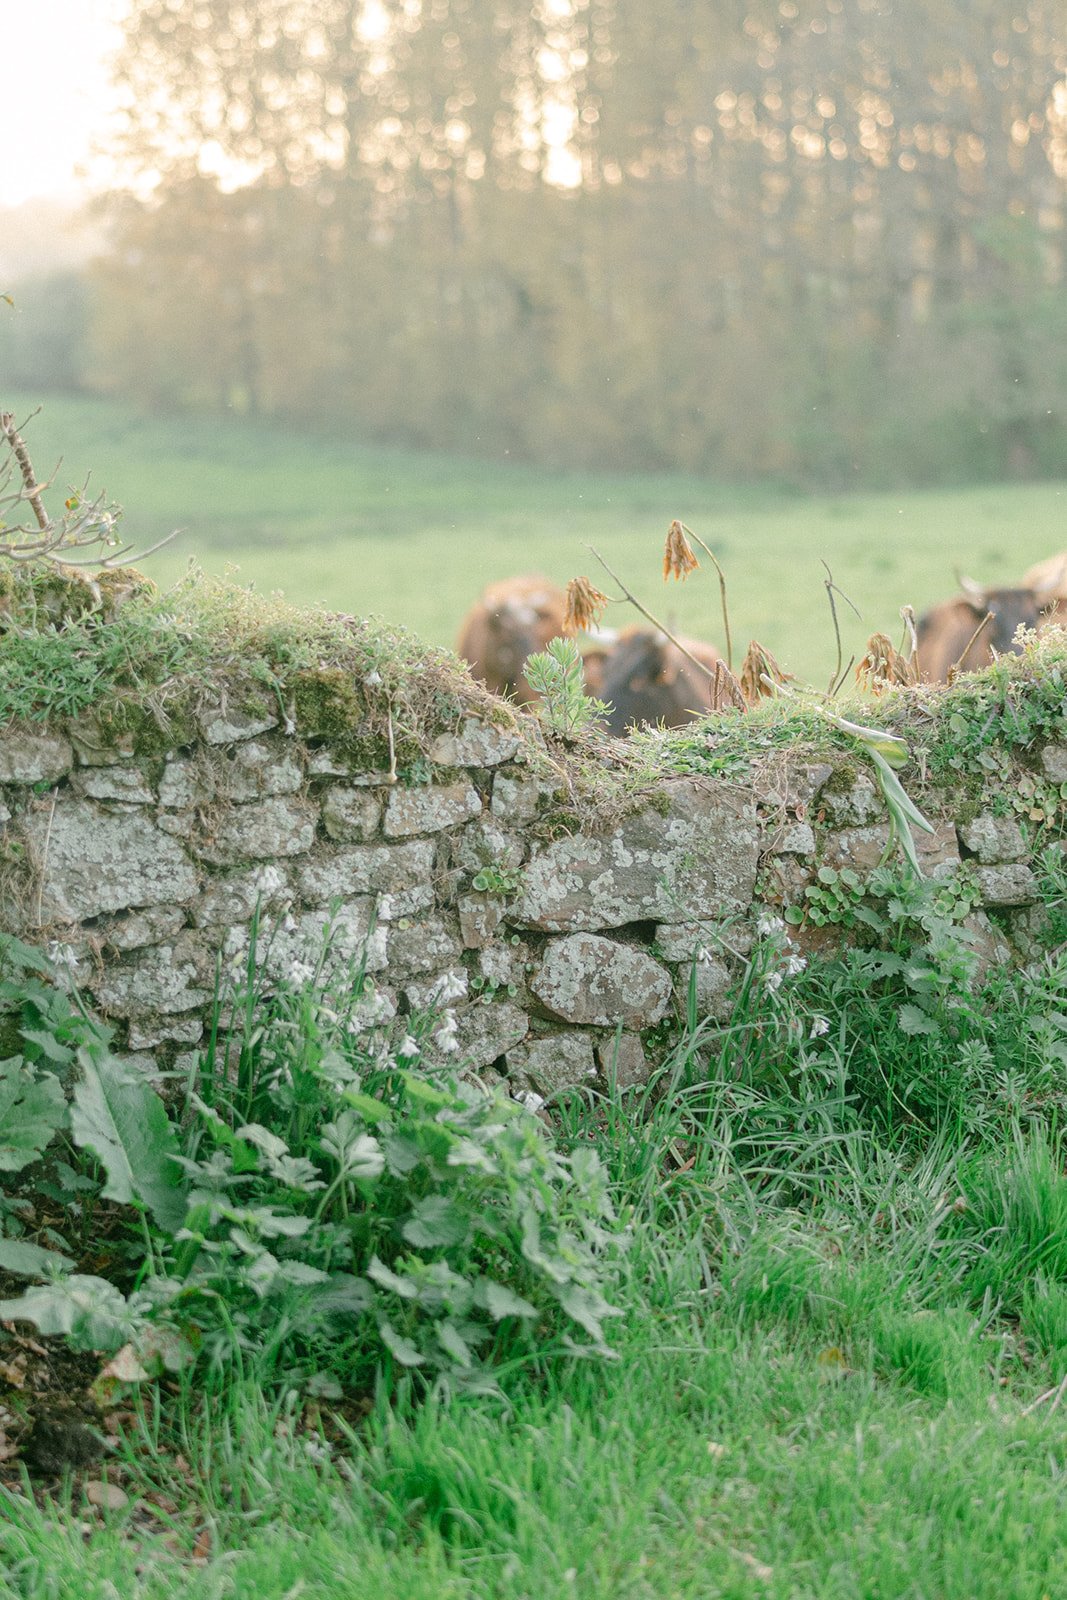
(380, 1274)
(436, 1222)
(453, 1343)
(90, 1311)
(501, 1302)
(587, 1307)
(124, 1123)
(356, 1152)
(402, 1349)
(49, 1046)
(912, 1020)
(29, 1260)
(31, 1111)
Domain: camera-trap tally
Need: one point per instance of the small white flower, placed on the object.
(794, 965)
(703, 954)
(773, 981)
(300, 973)
(386, 902)
(408, 1047)
(819, 1026)
(373, 679)
(450, 986)
(62, 955)
(288, 923)
(268, 880)
(768, 924)
(527, 1098)
(446, 1035)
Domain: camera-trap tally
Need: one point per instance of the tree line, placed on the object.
(821, 240)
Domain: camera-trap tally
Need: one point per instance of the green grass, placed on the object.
(413, 537)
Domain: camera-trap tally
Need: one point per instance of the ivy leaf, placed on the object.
(436, 1222)
(124, 1123)
(31, 1110)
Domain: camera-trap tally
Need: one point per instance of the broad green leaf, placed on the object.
(90, 1311)
(402, 1349)
(31, 1110)
(436, 1222)
(912, 1020)
(356, 1152)
(500, 1301)
(48, 1045)
(124, 1123)
(452, 1341)
(380, 1273)
(29, 1260)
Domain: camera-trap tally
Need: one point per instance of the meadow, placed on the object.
(413, 537)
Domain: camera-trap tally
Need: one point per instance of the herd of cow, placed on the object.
(647, 681)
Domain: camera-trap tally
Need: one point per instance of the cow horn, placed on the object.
(973, 591)
(1050, 583)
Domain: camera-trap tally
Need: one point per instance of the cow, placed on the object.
(948, 636)
(1050, 577)
(513, 619)
(647, 681)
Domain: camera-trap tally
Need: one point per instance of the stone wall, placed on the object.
(463, 890)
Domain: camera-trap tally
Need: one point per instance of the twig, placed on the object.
(708, 672)
(31, 490)
(955, 667)
(907, 616)
(722, 594)
(44, 857)
(391, 775)
(1059, 1390)
(838, 677)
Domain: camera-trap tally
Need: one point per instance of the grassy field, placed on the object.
(413, 537)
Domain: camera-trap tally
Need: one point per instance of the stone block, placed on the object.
(485, 1033)
(792, 839)
(425, 946)
(351, 815)
(622, 1061)
(679, 942)
(791, 786)
(559, 1061)
(98, 747)
(438, 991)
(853, 806)
(993, 839)
(517, 799)
(430, 810)
(224, 724)
(476, 744)
(33, 757)
(383, 868)
(148, 1033)
(126, 784)
(1054, 762)
(257, 768)
(714, 981)
(405, 903)
(185, 784)
(165, 979)
(231, 897)
(1012, 884)
(480, 916)
(140, 928)
(862, 849)
(94, 861)
(697, 860)
(588, 979)
(262, 831)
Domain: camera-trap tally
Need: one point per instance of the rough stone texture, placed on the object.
(406, 903)
(993, 839)
(485, 1033)
(95, 861)
(351, 815)
(232, 897)
(164, 979)
(585, 978)
(297, 942)
(1054, 762)
(1012, 884)
(95, 747)
(477, 744)
(1029, 928)
(426, 946)
(987, 942)
(480, 915)
(698, 860)
(362, 870)
(430, 810)
(791, 786)
(713, 979)
(126, 784)
(148, 1032)
(280, 826)
(855, 806)
(503, 962)
(560, 1061)
(623, 1061)
(679, 942)
(486, 844)
(863, 848)
(793, 839)
(443, 988)
(256, 769)
(140, 928)
(228, 725)
(27, 757)
(517, 799)
(184, 784)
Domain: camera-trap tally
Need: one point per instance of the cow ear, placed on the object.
(973, 592)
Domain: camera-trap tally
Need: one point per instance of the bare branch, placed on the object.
(656, 623)
(722, 594)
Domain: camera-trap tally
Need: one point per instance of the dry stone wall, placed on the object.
(557, 956)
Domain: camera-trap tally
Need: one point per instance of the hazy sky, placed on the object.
(53, 91)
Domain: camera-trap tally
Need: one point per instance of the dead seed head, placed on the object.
(883, 666)
(678, 558)
(757, 667)
(585, 606)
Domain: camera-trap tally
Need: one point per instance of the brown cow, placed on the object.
(647, 681)
(514, 619)
(946, 635)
